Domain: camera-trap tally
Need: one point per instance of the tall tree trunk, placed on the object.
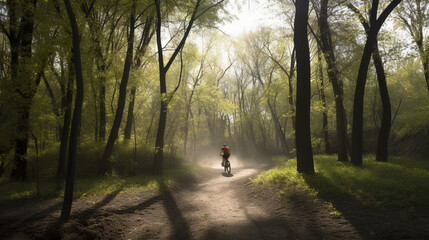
(425, 62)
(325, 110)
(188, 112)
(102, 127)
(77, 113)
(278, 129)
(130, 116)
(147, 35)
(159, 144)
(290, 96)
(383, 135)
(21, 50)
(337, 84)
(304, 150)
(62, 157)
(277, 126)
(357, 131)
(104, 163)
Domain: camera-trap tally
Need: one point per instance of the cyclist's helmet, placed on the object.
(224, 144)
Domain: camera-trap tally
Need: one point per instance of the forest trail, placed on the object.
(227, 206)
(209, 204)
(214, 209)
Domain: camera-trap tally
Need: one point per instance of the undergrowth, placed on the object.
(87, 187)
(130, 172)
(402, 182)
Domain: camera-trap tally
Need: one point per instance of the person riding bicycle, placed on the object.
(226, 153)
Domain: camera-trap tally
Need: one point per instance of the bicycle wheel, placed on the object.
(228, 167)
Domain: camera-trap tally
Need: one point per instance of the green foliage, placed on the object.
(398, 183)
(87, 187)
(410, 124)
(92, 186)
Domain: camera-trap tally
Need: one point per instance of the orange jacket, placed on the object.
(226, 150)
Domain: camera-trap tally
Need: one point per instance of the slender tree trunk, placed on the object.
(277, 126)
(325, 110)
(357, 148)
(102, 127)
(75, 127)
(383, 135)
(337, 85)
(130, 116)
(290, 96)
(104, 163)
(357, 131)
(65, 129)
(186, 128)
(302, 135)
(159, 144)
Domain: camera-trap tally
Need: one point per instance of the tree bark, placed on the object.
(102, 126)
(21, 52)
(302, 135)
(277, 126)
(104, 163)
(337, 84)
(130, 115)
(357, 131)
(290, 96)
(325, 110)
(75, 127)
(159, 143)
(147, 35)
(384, 132)
(62, 157)
(386, 122)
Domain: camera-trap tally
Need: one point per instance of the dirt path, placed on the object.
(214, 209)
(209, 205)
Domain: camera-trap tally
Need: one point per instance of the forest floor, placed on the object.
(209, 204)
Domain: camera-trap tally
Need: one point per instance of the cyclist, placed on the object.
(226, 153)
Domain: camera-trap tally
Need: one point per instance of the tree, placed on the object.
(260, 68)
(415, 17)
(146, 36)
(323, 99)
(104, 163)
(20, 35)
(163, 69)
(62, 156)
(77, 113)
(103, 18)
(383, 135)
(304, 152)
(375, 25)
(325, 43)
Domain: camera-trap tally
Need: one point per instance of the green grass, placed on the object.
(127, 174)
(86, 187)
(402, 182)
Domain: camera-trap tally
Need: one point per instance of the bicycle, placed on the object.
(227, 166)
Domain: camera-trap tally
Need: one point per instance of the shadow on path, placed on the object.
(373, 222)
(180, 228)
(225, 174)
